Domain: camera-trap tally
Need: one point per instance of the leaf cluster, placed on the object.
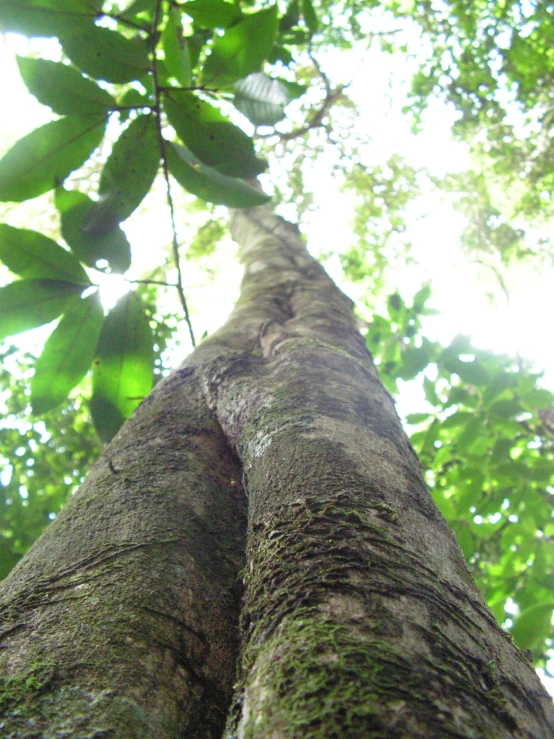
(495, 64)
(486, 442)
(158, 72)
(41, 461)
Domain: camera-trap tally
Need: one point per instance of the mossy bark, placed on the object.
(359, 617)
(122, 620)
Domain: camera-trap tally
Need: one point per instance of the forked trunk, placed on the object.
(359, 616)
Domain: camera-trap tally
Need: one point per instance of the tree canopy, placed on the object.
(202, 95)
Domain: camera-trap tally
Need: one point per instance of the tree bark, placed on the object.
(359, 617)
(122, 619)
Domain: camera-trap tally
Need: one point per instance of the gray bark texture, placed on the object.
(358, 618)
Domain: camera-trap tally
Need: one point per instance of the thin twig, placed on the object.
(200, 88)
(151, 282)
(498, 277)
(316, 120)
(175, 244)
(124, 21)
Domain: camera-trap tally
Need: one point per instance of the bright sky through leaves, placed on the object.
(379, 87)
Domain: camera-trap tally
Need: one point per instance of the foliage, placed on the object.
(490, 230)
(42, 461)
(488, 452)
(379, 223)
(153, 57)
(494, 63)
(165, 77)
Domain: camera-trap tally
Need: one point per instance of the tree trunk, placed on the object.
(359, 617)
(122, 619)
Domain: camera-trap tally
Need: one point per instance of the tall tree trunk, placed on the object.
(359, 617)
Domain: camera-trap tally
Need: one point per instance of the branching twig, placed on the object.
(316, 119)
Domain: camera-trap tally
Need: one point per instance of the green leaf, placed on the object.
(175, 46)
(29, 254)
(506, 408)
(211, 13)
(75, 208)
(414, 360)
(63, 88)
(208, 183)
(242, 49)
(26, 304)
(122, 367)
(498, 385)
(67, 354)
(539, 398)
(47, 17)
(416, 418)
(460, 418)
(466, 541)
(261, 99)
(107, 55)
(133, 99)
(473, 431)
(43, 159)
(395, 305)
(294, 89)
(291, 17)
(430, 391)
(421, 297)
(533, 625)
(135, 7)
(309, 15)
(127, 176)
(471, 372)
(211, 136)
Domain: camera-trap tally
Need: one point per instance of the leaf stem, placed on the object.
(151, 282)
(157, 108)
